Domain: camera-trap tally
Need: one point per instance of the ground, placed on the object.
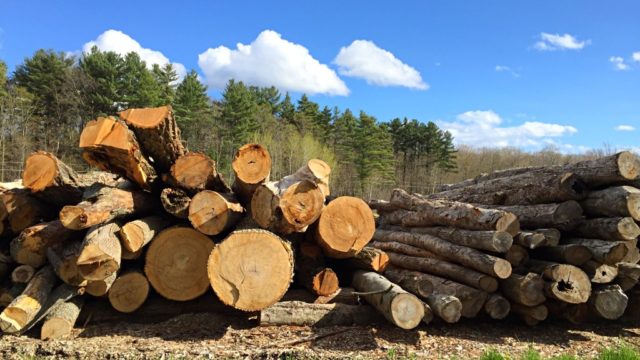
(221, 336)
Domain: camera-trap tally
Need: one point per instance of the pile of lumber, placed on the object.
(540, 241)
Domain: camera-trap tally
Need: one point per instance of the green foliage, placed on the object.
(193, 111)
(238, 114)
(138, 87)
(492, 355)
(105, 69)
(620, 352)
(3, 79)
(166, 78)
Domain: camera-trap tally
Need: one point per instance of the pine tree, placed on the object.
(166, 77)
(105, 69)
(374, 146)
(268, 97)
(286, 110)
(3, 79)
(138, 87)
(238, 114)
(193, 111)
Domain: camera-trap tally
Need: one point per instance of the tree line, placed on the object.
(47, 99)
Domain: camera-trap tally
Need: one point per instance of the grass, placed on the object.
(620, 352)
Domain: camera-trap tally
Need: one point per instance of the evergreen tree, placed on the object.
(192, 109)
(286, 110)
(3, 79)
(267, 96)
(138, 87)
(105, 69)
(374, 147)
(166, 77)
(238, 114)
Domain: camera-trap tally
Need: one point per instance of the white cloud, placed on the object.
(121, 43)
(482, 128)
(363, 59)
(625, 128)
(636, 56)
(270, 60)
(618, 63)
(502, 68)
(551, 42)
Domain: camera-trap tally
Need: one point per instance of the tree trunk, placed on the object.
(526, 289)
(517, 255)
(211, 212)
(157, 131)
(135, 234)
(30, 247)
(614, 229)
(64, 260)
(22, 274)
(608, 302)
(101, 252)
(529, 240)
(345, 227)
(489, 240)
(599, 273)
(100, 288)
(106, 204)
(446, 307)
(298, 313)
(109, 145)
(176, 202)
(176, 263)
(613, 202)
(270, 260)
(25, 307)
(423, 213)
(562, 215)
(129, 291)
(565, 282)
(59, 323)
(251, 167)
(398, 306)
(370, 259)
(471, 258)
(572, 254)
(195, 172)
(23, 210)
(311, 271)
(606, 252)
(497, 307)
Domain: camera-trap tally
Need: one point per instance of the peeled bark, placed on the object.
(564, 282)
(489, 240)
(311, 270)
(517, 255)
(135, 234)
(316, 171)
(195, 172)
(59, 323)
(538, 216)
(606, 252)
(30, 247)
(370, 259)
(23, 210)
(526, 289)
(497, 307)
(572, 254)
(176, 202)
(614, 229)
(300, 313)
(251, 167)
(129, 291)
(211, 212)
(22, 274)
(398, 306)
(25, 307)
(613, 202)
(608, 302)
(270, 260)
(64, 260)
(101, 252)
(599, 273)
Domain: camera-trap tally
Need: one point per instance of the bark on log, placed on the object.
(489, 240)
(564, 282)
(528, 313)
(342, 296)
(59, 323)
(497, 307)
(413, 281)
(614, 229)
(23, 210)
(606, 252)
(382, 206)
(422, 212)
(633, 253)
(175, 202)
(51, 180)
(299, 313)
(316, 171)
(103, 204)
(572, 254)
(8, 294)
(58, 296)
(529, 240)
(251, 167)
(471, 258)
(345, 226)
(176, 263)
(157, 131)
(22, 274)
(562, 215)
(64, 260)
(101, 252)
(25, 307)
(195, 172)
(110, 145)
(574, 313)
(608, 301)
(370, 259)
(446, 307)
(614, 201)
(270, 260)
(129, 291)
(517, 256)
(212, 213)
(599, 273)
(526, 289)
(100, 288)
(311, 271)
(404, 249)
(398, 306)
(135, 234)
(30, 247)
(551, 236)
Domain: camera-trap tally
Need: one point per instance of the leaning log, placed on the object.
(25, 307)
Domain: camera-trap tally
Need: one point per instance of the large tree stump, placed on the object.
(489, 240)
(109, 145)
(176, 202)
(101, 252)
(606, 252)
(129, 291)
(608, 301)
(614, 229)
(599, 273)
(398, 306)
(103, 204)
(59, 323)
(25, 307)
(613, 202)
(176, 263)
(316, 171)
(497, 307)
(157, 131)
(421, 212)
(563, 282)
(30, 247)
(471, 258)
(311, 271)
(526, 289)
(345, 226)
(252, 167)
(23, 210)
(572, 254)
(370, 259)
(194, 172)
(251, 269)
(64, 260)
(135, 234)
(300, 313)
(562, 215)
(211, 212)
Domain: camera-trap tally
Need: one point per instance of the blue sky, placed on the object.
(496, 73)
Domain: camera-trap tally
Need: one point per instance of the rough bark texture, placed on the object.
(300, 313)
(489, 240)
(194, 172)
(58, 296)
(529, 240)
(564, 282)
(311, 270)
(497, 307)
(400, 248)
(64, 260)
(606, 252)
(562, 215)
(211, 212)
(135, 234)
(101, 252)
(30, 247)
(628, 275)
(175, 202)
(446, 307)
(25, 307)
(59, 323)
(371, 259)
(129, 291)
(413, 281)
(608, 302)
(517, 255)
(572, 254)
(23, 210)
(613, 201)
(526, 289)
(614, 229)
(251, 167)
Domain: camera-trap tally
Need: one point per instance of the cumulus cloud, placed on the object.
(270, 60)
(636, 56)
(482, 128)
(625, 128)
(364, 59)
(502, 68)
(618, 63)
(121, 43)
(551, 42)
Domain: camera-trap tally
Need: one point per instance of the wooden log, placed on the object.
(398, 306)
(30, 247)
(538, 312)
(446, 307)
(22, 274)
(606, 252)
(5, 265)
(51, 180)
(25, 307)
(564, 282)
(109, 145)
(59, 323)
(129, 291)
(489, 240)
(614, 201)
(517, 255)
(599, 273)
(101, 252)
(422, 212)
(8, 294)
(211, 212)
(471, 258)
(404, 249)
(299, 313)
(130, 255)
(608, 301)
(135, 234)
(413, 281)
(633, 253)
(628, 275)
(158, 133)
(23, 210)
(526, 289)
(100, 288)
(270, 260)
(315, 170)
(529, 240)
(341, 296)
(562, 215)
(382, 206)
(194, 172)
(371, 259)
(445, 269)
(176, 263)
(345, 226)
(251, 167)
(551, 236)
(103, 204)
(311, 271)
(57, 297)
(574, 313)
(288, 210)
(175, 202)
(572, 254)
(497, 307)
(64, 260)
(614, 229)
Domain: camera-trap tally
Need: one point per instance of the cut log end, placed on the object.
(195, 172)
(497, 307)
(302, 203)
(502, 268)
(252, 164)
(407, 311)
(508, 223)
(148, 118)
(211, 213)
(94, 264)
(129, 292)
(628, 165)
(325, 282)
(346, 225)
(41, 170)
(571, 284)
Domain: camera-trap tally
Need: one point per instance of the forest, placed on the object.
(47, 99)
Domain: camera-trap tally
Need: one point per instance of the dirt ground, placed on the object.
(221, 336)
